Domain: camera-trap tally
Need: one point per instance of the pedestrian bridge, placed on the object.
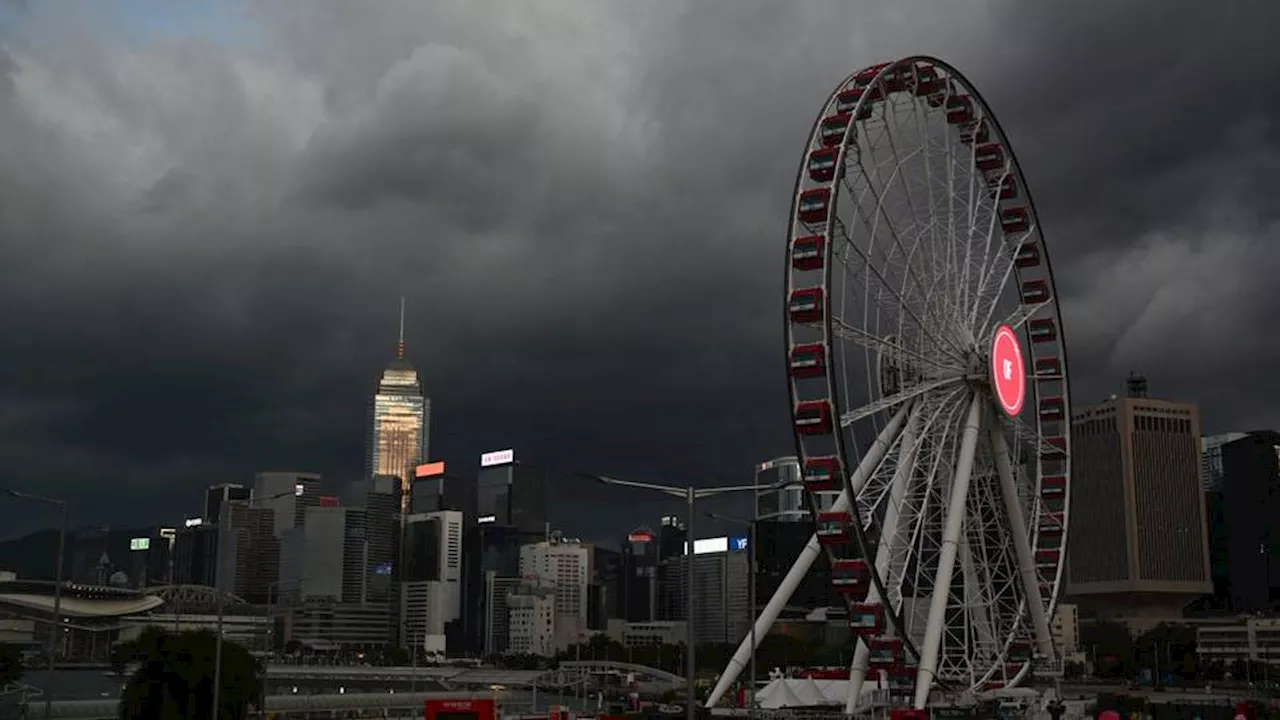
(595, 667)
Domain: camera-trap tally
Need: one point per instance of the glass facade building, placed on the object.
(398, 425)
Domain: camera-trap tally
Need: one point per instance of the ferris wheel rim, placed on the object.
(832, 382)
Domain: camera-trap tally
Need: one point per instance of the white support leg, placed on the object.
(1021, 542)
(884, 552)
(976, 598)
(956, 510)
(769, 613)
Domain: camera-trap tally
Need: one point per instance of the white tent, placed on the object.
(806, 692)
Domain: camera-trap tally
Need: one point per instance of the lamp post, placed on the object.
(55, 635)
(751, 598)
(690, 495)
(224, 523)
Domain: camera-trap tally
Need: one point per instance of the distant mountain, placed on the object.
(32, 556)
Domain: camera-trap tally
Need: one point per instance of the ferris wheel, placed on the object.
(928, 380)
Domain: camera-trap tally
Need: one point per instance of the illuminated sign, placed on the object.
(192, 522)
(487, 519)
(708, 545)
(497, 457)
(140, 544)
(640, 537)
(738, 544)
(431, 469)
(328, 501)
(299, 489)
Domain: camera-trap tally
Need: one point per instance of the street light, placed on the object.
(751, 597)
(690, 495)
(55, 635)
(224, 521)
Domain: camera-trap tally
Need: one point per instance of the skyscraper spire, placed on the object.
(400, 343)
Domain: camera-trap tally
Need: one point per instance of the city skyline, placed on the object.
(205, 246)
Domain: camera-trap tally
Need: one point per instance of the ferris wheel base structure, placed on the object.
(927, 371)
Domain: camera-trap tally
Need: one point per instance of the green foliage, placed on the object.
(174, 677)
(1112, 647)
(398, 656)
(10, 664)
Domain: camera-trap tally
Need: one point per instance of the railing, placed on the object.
(110, 709)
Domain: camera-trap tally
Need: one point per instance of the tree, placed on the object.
(1112, 646)
(174, 677)
(10, 664)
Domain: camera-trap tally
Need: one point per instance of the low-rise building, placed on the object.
(531, 624)
(1253, 639)
(636, 634)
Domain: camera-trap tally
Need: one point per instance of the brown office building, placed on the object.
(1138, 548)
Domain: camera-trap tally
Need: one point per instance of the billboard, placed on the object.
(431, 469)
(140, 544)
(497, 457)
(640, 536)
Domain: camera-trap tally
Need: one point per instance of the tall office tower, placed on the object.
(1211, 458)
(785, 499)
(496, 625)
(604, 601)
(399, 423)
(1251, 499)
(1138, 548)
(720, 591)
(253, 562)
(783, 528)
(638, 591)
(510, 493)
(324, 558)
(195, 553)
(218, 495)
(434, 488)
(288, 495)
(431, 585)
(671, 537)
(565, 566)
(379, 497)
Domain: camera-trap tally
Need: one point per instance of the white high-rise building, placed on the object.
(431, 590)
(565, 567)
(531, 624)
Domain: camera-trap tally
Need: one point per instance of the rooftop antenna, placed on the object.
(1137, 385)
(400, 344)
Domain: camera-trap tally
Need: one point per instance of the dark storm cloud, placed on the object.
(203, 241)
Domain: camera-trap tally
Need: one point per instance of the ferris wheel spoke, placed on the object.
(884, 346)
(1007, 258)
(1022, 547)
(1025, 312)
(870, 269)
(878, 406)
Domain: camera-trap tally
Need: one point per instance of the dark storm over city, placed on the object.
(206, 232)
(305, 246)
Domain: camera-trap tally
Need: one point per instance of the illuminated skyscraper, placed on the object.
(399, 422)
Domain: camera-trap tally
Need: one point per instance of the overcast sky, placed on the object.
(207, 216)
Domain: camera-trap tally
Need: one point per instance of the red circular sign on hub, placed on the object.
(1008, 374)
